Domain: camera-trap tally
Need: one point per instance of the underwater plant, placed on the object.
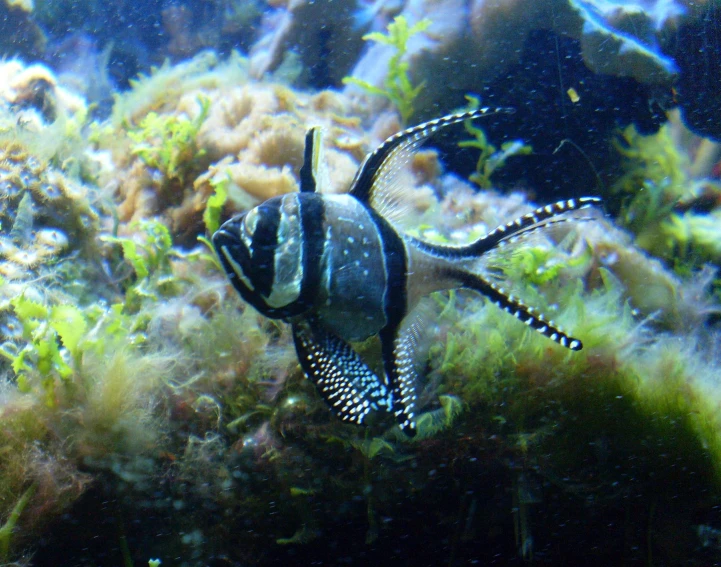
(150, 258)
(397, 86)
(168, 143)
(665, 201)
(489, 159)
(45, 330)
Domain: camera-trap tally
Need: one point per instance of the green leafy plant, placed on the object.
(490, 159)
(540, 265)
(432, 422)
(397, 87)
(216, 202)
(167, 142)
(211, 217)
(52, 350)
(150, 259)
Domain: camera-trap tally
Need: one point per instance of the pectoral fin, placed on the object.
(345, 382)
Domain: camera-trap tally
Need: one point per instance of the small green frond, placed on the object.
(27, 309)
(214, 205)
(397, 86)
(365, 85)
(70, 325)
(131, 255)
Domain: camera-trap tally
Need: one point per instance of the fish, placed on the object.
(339, 269)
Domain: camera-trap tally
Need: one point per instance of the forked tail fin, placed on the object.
(523, 226)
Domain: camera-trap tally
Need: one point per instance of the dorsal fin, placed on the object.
(310, 174)
(378, 175)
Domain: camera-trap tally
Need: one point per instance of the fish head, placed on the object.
(261, 251)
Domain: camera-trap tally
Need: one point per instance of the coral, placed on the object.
(43, 213)
(159, 90)
(615, 38)
(35, 92)
(397, 86)
(303, 30)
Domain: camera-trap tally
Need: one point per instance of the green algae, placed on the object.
(167, 142)
(6, 530)
(397, 86)
(659, 179)
(489, 158)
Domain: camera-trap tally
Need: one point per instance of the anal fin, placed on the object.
(350, 389)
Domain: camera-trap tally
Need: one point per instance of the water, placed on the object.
(148, 412)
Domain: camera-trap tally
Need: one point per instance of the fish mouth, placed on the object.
(229, 233)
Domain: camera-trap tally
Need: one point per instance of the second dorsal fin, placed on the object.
(378, 176)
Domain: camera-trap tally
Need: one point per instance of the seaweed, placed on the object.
(150, 259)
(397, 86)
(45, 330)
(659, 182)
(167, 142)
(490, 159)
(6, 530)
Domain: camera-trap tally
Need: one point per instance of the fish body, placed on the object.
(339, 271)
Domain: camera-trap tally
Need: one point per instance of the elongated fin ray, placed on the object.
(350, 389)
(524, 225)
(518, 309)
(400, 367)
(377, 178)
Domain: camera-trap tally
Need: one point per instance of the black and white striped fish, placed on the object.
(339, 271)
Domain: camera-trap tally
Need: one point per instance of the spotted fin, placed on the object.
(377, 181)
(518, 309)
(348, 386)
(399, 363)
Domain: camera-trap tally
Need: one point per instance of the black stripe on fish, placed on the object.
(364, 183)
(517, 308)
(263, 249)
(312, 219)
